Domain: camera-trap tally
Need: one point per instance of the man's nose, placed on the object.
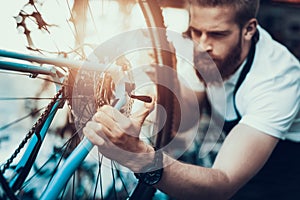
(203, 44)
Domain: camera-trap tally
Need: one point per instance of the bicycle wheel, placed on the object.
(85, 93)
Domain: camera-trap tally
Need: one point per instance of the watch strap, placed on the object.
(151, 174)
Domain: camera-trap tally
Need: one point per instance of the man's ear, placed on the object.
(250, 29)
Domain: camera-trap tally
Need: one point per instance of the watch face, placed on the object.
(153, 172)
(151, 178)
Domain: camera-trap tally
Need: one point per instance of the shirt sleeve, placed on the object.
(271, 106)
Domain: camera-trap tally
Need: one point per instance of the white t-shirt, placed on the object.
(269, 97)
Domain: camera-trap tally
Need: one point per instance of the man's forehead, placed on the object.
(212, 17)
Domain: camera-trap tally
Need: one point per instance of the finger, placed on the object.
(114, 120)
(151, 105)
(103, 118)
(104, 146)
(93, 136)
(141, 114)
(113, 135)
(113, 113)
(101, 130)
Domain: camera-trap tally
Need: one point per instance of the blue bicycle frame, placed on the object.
(73, 161)
(24, 165)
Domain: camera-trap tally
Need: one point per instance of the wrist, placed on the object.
(151, 173)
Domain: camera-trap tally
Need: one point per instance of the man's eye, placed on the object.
(192, 33)
(196, 33)
(217, 35)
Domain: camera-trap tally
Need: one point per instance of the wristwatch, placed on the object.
(152, 173)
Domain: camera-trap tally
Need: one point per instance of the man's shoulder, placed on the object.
(272, 58)
(271, 48)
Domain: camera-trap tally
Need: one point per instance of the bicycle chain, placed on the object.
(32, 131)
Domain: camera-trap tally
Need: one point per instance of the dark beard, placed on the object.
(212, 70)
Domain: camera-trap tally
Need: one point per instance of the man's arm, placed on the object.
(242, 155)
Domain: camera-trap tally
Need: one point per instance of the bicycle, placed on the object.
(98, 89)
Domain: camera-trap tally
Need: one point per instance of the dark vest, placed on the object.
(279, 179)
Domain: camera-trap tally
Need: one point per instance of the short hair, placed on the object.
(245, 9)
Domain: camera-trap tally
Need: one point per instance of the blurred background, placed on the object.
(282, 19)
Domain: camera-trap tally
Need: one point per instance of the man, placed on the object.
(259, 158)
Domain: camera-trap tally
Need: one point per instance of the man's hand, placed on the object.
(117, 136)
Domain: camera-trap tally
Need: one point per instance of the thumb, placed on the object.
(141, 114)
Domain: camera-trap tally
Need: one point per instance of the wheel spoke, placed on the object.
(6, 126)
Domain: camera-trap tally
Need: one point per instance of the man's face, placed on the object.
(218, 42)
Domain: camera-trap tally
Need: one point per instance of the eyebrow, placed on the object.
(225, 32)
